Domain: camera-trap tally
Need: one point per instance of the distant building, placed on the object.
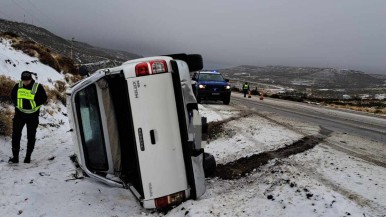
(364, 96)
(380, 96)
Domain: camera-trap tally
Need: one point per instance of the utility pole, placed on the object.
(72, 45)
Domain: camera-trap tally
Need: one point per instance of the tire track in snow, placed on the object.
(242, 166)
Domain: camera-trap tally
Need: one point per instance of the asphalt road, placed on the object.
(354, 123)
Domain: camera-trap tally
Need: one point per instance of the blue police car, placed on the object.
(211, 85)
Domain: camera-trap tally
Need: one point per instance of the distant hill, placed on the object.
(82, 52)
(305, 77)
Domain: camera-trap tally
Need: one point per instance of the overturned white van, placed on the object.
(137, 126)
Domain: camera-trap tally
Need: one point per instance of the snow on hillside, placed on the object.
(14, 62)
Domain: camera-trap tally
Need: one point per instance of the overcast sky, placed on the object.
(329, 33)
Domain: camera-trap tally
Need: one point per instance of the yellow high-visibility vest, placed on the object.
(22, 94)
(246, 86)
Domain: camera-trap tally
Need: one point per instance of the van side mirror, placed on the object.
(83, 71)
(227, 80)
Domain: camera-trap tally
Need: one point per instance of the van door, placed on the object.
(94, 150)
(158, 137)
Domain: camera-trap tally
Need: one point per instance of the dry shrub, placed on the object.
(31, 52)
(362, 109)
(9, 35)
(66, 64)
(60, 86)
(59, 93)
(36, 50)
(29, 42)
(55, 95)
(6, 116)
(50, 112)
(380, 111)
(46, 58)
(71, 79)
(6, 86)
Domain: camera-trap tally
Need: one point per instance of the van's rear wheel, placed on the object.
(209, 165)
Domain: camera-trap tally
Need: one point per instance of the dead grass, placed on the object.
(56, 95)
(66, 64)
(71, 79)
(362, 109)
(60, 86)
(6, 115)
(44, 54)
(6, 86)
(59, 93)
(36, 50)
(9, 35)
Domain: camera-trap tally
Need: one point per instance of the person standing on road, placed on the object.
(246, 89)
(27, 97)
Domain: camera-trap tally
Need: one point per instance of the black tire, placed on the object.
(194, 88)
(195, 62)
(204, 125)
(226, 101)
(204, 128)
(209, 164)
(198, 98)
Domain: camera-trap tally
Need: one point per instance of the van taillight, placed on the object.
(158, 66)
(170, 200)
(152, 67)
(142, 69)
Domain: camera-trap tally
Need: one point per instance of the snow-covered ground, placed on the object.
(318, 182)
(302, 185)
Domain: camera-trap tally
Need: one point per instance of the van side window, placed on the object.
(91, 129)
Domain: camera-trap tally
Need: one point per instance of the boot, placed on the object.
(13, 160)
(27, 158)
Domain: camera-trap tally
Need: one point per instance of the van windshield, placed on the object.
(210, 77)
(91, 129)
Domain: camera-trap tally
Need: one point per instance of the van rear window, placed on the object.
(210, 77)
(91, 129)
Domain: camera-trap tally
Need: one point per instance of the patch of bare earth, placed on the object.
(242, 166)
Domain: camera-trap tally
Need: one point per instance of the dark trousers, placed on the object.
(19, 121)
(245, 92)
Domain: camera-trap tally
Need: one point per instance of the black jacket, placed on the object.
(40, 99)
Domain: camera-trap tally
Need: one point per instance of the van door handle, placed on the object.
(152, 137)
(141, 142)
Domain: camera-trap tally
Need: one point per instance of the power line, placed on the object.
(27, 11)
(5, 15)
(17, 27)
(42, 13)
